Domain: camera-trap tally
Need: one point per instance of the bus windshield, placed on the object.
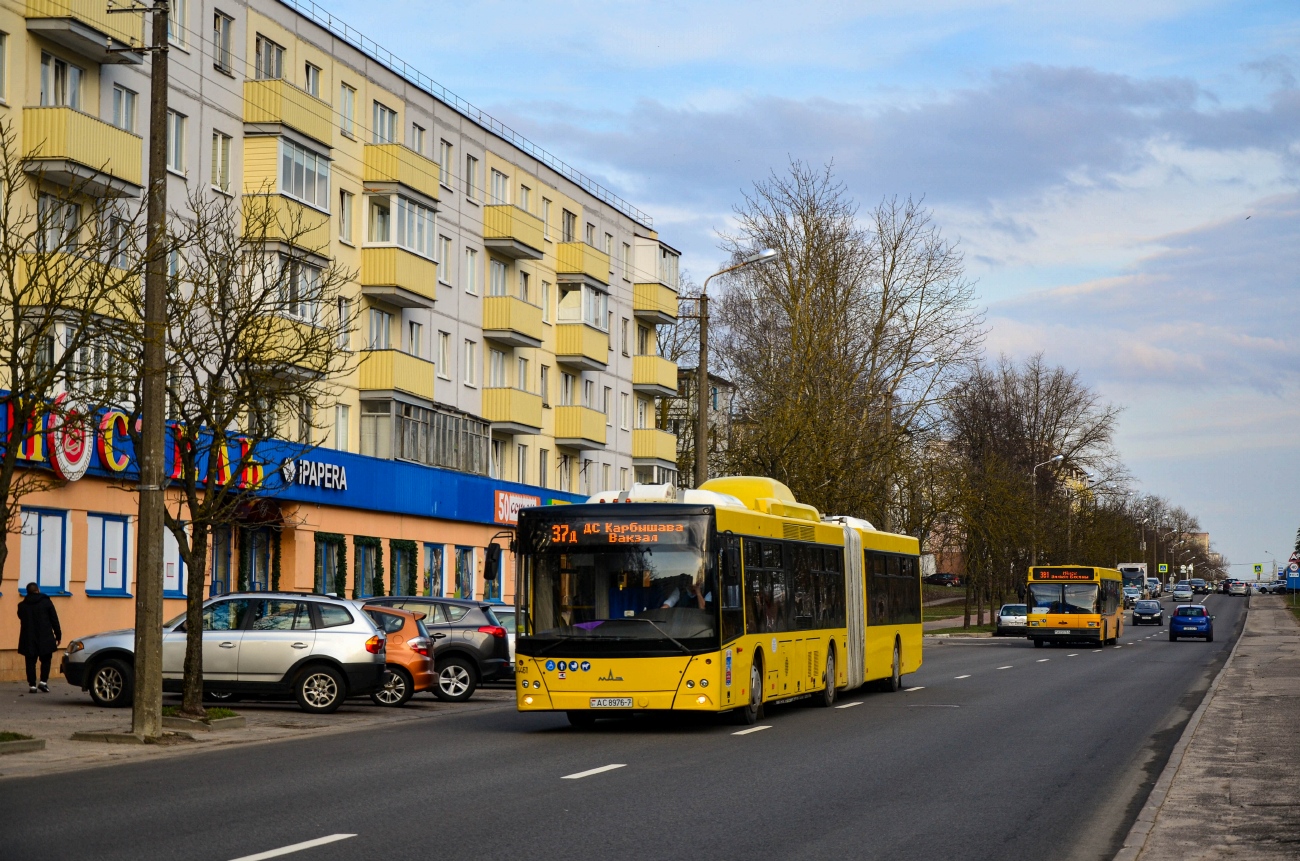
(1063, 598)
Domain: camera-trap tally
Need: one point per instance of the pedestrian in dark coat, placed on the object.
(38, 635)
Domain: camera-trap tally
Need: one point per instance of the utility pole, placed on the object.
(146, 706)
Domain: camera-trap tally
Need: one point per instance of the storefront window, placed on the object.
(220, 563)
(255, 558)
(433, 570)
(327, 567)
(464, 572)
(398, 558)
(366, 561)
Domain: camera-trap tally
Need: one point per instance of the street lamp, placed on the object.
(702, 369)
(1033, 532)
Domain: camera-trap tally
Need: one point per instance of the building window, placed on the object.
(58, 222)
(625, 410)
(496, 369)
(4, 65)
(471, 178)
(304, 175)
(385, 124)
(327, 568)
(492, 588)
(590, 235)
(521, 464)
(175, 142)
(565, 466)
(381, 324)
(543, 456)
(268, 60)
(642, 413)
(445, 164)
(345, 323)
(496, 278)
(568, 226)
(367, 565)
(444, 355)
(415, 339)
(546, 302)
(432, 571)
(607, 406)
(471, 363)
(667, 268)
(347, 109)
(609, 249)
(524, 290)
(108, 557)
(124, 102)
(521, 380)
(525, 198)
(567, 385)
(589, 394)
(221, 161)
(465, 572)
(626, 261)
(306, 418)
(471, 271)
(311, 79)
(44, 550)
(415, 227)
(545, 384)
(380, 223)
(417, 138)
(624, 338)
(60, 83)
(645, 342)
(623, 479)
(546, 218)
(500, 187)
(443, 259)
(220, 584)
(301, 289)
(178, 22)
(605, 470)
(223, 27)
(342, 425)
(397, 558)
(346, 203)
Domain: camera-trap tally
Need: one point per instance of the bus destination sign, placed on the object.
(605, 532)
(1063, 574)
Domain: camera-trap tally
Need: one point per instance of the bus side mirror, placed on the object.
(492, 563)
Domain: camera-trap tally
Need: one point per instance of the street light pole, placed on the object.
(702, 369)
(1033, 530)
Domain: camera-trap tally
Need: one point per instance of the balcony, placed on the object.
(512, 232)
(579, 427)
(510, 320)
(655, 303)
(580, 263)
(398, 277)
(513, 410)
(71, 279)
(395, 371)
(86, 27)
(654, 375)
(581, 346)
(394, 164)
(651, 444)
(270, 104)
(272, 218)
(82, 152)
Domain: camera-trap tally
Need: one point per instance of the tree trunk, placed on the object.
(197, 574)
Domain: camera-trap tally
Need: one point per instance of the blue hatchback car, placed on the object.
(1192, 620)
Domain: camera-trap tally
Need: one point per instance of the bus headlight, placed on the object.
(1092, 624)
(701, 700)
(528, 701)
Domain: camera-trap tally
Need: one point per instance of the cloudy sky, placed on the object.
(1124, 177)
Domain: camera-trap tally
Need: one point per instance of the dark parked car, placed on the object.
(1148, 611)
(1199, 587)
(1192, 620)
(474, 650)
(943, 579)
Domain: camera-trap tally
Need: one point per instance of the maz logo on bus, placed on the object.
(1064, 574)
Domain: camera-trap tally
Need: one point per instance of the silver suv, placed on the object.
(318, 649)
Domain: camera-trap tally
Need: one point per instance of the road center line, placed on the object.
(297, 847)
(967, 676)
(751, 729)
(1043, 660)
(909, 690)
(850, 705)
(1007, 667)
(589, 772)
(1075, 655)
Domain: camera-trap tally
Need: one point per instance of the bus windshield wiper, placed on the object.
(674, 641)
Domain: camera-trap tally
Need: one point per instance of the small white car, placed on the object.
(1238, 587)
(1183, 591)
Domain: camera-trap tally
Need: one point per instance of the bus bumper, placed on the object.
(1066, 635)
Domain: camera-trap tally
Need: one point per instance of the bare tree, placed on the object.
(257, 339)
(65, 269)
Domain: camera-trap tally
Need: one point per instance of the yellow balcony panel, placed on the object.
(512, 232)
(83, 152)
(580, 263)
(512, 321)
(77, 282)
(395, 371)
(85, 26)
(654, 375)
(275, 218)
(399, 277)
(655, 303)
(291, 347)
(513, 410)
(582, 346)
(652, 444)
(399, 165)
(579, 427)
(274, 103)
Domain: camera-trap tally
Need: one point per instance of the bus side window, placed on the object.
(731, 589)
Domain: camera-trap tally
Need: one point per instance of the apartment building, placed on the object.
(507, 305)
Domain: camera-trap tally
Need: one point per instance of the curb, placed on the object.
(111, 737)
(22, 745)
(237, 722)
(1146, 819)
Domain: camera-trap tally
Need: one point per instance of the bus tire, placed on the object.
(895, 680)
(750, 714)
(827, 697)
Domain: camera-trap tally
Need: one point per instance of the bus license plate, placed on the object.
(1062, 631)
(611, 702)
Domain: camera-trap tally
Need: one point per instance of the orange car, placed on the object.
(410, 650)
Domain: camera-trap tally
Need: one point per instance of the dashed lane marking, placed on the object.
(850, 705)
(1043, 660)
(919, 688)
(1007, 667)
(1075, 655)
(751, 729)
(589, 772)
(296, 847)
(967, 676)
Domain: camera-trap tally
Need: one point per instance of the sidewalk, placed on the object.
(1232, 789)
(57, 715)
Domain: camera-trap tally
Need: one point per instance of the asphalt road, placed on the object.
(1001, 751)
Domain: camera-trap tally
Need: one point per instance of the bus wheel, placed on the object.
(827, 697)
(751, 713)
(895, 680)
(581, 720)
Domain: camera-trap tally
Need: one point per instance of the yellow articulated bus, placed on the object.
(731, 598)
(1073, 604)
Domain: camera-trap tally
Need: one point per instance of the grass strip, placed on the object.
(215, 713)
(13, 736)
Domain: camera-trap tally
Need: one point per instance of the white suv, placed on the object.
(317, 649)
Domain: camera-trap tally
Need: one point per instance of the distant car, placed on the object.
(1132, 595)
(475, 649)
(1199, 587)
(1276, 587)
(506, 616)
(1145, 612)
(1239, 587)
(1227, 584)
(408, 661)
(1183, 592)
(1192, 620)
(943, 579)
(1154, 589)
(1013, 620)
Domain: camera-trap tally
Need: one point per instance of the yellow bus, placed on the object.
(1075, 604)
(730, 598)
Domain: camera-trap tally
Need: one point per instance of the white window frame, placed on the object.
(176, 142)
(471, 363)
(347, 202)
(380, 334)
(223, 34)
(315, 193)
(98, 567)
(471, 271)
(268, 59)
(384, 123)
(221, 144)
(443, 365)
(342, 427)
(125, 101)
(347, 109)
(35, 565)
(311, 74)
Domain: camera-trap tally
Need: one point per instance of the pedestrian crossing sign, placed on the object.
(1259, 569)
(1164, 567)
